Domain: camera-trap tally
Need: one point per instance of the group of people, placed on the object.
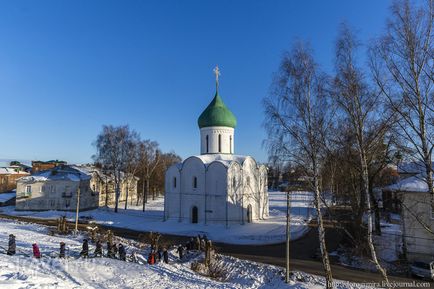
(118, 251)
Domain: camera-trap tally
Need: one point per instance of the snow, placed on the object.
(66, 173)
(225, 159)
(7, 196)
(22, 271)
(11, 171)
(414, 184)
(269, 231)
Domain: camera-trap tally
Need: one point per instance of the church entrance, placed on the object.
(249, 213)
(194, 215)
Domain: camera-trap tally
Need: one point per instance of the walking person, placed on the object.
(165, 256)
(11, 245)
(109, 250)
(115, 250)
(98, 249)
(180, 252)
(85, 249)
(122, 253)
(62, 250)
(36, 252)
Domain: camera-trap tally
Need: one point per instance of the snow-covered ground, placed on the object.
(22, 271)
(269, 231)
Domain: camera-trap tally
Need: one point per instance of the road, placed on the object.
(302, 251)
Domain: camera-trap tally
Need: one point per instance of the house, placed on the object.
(7, 199)
(38, 166)
(417, 216)
(103, 183)
(9, 176)
(217, 186)
(56, 189)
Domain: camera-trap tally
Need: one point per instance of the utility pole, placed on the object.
(78, 209)
(288, 234)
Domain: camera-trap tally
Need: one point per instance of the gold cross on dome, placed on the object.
(217, 74)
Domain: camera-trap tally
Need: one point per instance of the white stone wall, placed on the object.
(55, 195)
(227, 140)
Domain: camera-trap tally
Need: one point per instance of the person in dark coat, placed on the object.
(110, 250)
(11, 245)
(165, 256)
(98, 249)
(122, 252)
(198, 242)
(159, 254)
(36, 252)
(62, 250)
(115, 250)
(85, 249)
(180, 251)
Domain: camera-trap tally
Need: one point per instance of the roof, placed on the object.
(58, 173)
(12, 171)
(217, 114)
(224, 159)
(7, 196)
(414, 184)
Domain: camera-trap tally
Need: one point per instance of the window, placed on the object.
(220, 143)
(174, 182)
(94, 187)
(234, 182)
(52, 189)
(28, 189)
(248, 181)
(207, 144)
(230, 144)
(52, 203)
(194, 182)
(67, 203)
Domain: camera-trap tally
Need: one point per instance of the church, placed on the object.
(217, 186)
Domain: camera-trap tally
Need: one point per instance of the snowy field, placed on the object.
(22, 271)
(269, 231)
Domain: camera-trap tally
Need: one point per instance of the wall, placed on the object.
(227, 146)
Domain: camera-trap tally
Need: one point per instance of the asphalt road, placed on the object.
(302, 251)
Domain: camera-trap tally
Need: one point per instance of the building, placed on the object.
(103, 183)
(417, 217)
(9, 176)
(56, 189)
(217, 186)
(38, 166)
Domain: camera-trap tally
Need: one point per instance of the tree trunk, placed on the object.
(126, 196)
(321, 233)
(117, 194)
(365, 187)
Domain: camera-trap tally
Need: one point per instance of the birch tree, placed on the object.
(297, 117)
(403, 68)
(360, 110)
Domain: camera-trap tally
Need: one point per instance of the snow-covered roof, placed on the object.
(11, 171)
(7, 196)
(58, 173)
(225, 159)
(414, 184)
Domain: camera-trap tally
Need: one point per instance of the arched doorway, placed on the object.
(249, 213)
(194, 215)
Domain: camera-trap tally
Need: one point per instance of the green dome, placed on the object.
(217, 114)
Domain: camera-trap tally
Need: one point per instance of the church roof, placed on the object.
(217, 114)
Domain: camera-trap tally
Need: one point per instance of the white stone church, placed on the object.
(217, 186)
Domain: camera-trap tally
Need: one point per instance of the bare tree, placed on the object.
(132, 162)
(112, 152)
(297, 123)
(149, 157)
(359, 106)
(403, 68)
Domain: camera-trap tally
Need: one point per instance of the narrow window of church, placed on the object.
(248, 181)
(195, 182)
(174, 182)
(207, 144)
(230, 144)
(220, 143)
(234, 182)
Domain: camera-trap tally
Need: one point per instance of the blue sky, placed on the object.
(68, 67)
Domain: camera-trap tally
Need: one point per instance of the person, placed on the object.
(85, 249)
(62, 250)
(36, 252)
(165, 256)
(180, 251)
(122, 252)
(159, 253)
(198, 242)
(151, 258)
(202, 244)
(11, 245)
(98, 249)
(109, 250)
(115, 250)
